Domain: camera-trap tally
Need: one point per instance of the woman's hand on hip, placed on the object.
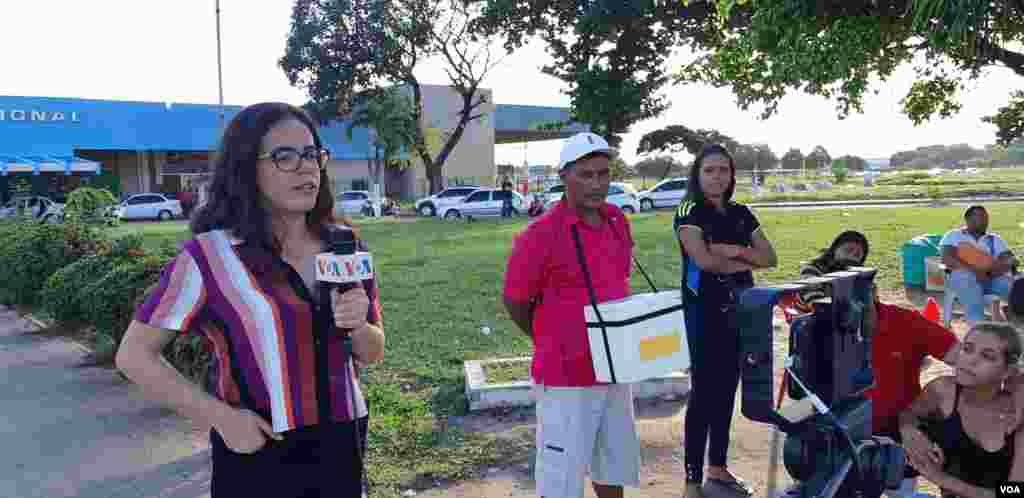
(243, 431)
(350, 308)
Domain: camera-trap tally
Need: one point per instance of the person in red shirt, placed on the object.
(581, 424)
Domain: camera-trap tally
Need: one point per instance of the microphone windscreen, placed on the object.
(344, 242)
(344, 268)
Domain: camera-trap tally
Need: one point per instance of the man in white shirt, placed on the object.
(971, 283)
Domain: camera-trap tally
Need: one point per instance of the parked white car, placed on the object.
(39, 207)
(439, 202)
(622, 195)
(149, 206)
(484, 203)
(666, 193)
(351, 202)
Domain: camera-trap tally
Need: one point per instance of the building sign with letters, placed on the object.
(43, 116)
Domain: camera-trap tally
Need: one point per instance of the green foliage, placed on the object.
(610, 54)
(819, 157)
(30, 253)
(679, 138)
(339, 49)
(64, 296)
(659, 167)
(1009, 120)
(793, 159)
(763, 50)
(840, 170)
(90, 205)
(928, 156)
(756, 156)
(619, 169)
(112, 298)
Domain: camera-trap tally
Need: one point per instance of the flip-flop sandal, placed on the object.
(735, 485)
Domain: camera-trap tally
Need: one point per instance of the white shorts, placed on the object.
(581, 429)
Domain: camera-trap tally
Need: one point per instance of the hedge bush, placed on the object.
(30, 253)
(63, 295)
(111, 299)
(90, 206)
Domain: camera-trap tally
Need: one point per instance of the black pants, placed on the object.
(714, 376)
(311, 462)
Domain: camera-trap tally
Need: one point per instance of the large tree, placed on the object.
(750, 157)
(658, 167)
(837, 49)
(819, 157)
(679, 138)
(610, 54)
(793, 159)
(337, 49)
(390, 116)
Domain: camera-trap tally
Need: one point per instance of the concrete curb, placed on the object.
(883, 202)
(42, 324)
(483, 396)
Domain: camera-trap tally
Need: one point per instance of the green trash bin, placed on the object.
(913, 252)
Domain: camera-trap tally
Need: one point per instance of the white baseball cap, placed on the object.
(580, 145)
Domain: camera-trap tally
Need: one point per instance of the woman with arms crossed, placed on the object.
(721, 242)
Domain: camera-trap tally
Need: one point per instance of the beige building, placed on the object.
(471, 162)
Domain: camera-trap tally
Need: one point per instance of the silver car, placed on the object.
(666, 193)
(439, 202)
(484, 203)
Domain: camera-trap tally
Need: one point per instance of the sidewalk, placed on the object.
(85, 432)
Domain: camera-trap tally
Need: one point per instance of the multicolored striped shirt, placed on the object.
(275, 347)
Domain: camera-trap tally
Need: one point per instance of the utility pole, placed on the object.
(220, 75)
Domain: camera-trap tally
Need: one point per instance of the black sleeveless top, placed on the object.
(964, 458)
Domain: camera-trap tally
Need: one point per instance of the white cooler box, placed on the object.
(646, 337)
(935, 276)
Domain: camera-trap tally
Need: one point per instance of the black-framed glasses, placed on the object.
(289, 159)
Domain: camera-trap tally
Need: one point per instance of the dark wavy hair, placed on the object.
(693, 189)
(234, 202)
(827, 262)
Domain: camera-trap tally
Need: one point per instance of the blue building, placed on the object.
(49, 146)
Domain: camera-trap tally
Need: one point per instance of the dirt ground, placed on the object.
(660, 427)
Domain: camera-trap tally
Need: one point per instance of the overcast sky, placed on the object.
(166, 51)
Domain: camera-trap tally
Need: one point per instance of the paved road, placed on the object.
(83, 432)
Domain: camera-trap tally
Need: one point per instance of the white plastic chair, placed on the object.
(948, 297)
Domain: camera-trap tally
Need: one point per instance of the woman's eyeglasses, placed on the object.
(290, 159)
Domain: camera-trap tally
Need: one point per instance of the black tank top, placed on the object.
(967, 460)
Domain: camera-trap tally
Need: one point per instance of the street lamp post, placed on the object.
(220, 74)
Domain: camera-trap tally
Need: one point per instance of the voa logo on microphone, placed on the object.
(345, 268)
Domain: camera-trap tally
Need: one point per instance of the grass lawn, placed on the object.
(440, 284)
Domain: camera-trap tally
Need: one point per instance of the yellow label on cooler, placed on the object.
(652, 348)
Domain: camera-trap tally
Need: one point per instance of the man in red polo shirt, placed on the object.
(581, 425)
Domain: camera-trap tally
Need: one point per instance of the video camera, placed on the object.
(829, 452)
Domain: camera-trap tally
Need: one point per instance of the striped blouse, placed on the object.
(275, 347)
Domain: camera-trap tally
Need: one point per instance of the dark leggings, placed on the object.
(714, 377)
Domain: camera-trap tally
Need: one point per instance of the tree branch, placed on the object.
(1012, 60)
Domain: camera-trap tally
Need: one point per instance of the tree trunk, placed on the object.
(434, 177)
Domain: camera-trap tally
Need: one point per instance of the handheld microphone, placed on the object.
(344, 268)
(344, 264)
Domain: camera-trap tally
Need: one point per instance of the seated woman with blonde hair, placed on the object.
(959, 433)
